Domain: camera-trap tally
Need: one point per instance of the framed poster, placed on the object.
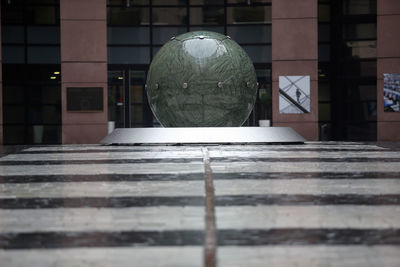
(391, 92)
(294, 94)
(85, 99)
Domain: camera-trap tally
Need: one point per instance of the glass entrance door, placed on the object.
(127, 99)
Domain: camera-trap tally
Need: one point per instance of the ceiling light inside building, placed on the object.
(120, 78)
(56, 72)
(53, 77)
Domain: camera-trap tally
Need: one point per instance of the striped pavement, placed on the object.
(317, 204)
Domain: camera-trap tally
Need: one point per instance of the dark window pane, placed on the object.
(169, 16)
(362, 49)
(43, 35)
(324, 13)
(212, 29)
(43, 55)
(248, 1)
(206, 2)
(14, 134)
(12, 13)
(355, 7)
(12, 34)
(324, 111)
(13, 114)
(128, 35)
(360, 31)
(250, 34)
(127, 16)
(324, 92)
(125, 3)
(207, 15)
(13, 54)
(137, 114)
(324, 53)
(257, 14)
(42, 15)
(324, 33)
(13, 95)
(162, 34)
(368, 68)
(259, 54)
(169, 2)
(47, 2)
(128, 55)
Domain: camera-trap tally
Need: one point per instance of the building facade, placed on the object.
(72, 68)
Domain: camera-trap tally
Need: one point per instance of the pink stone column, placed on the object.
(295, 52)
(1, 87)
(83, 64)
(388, 61)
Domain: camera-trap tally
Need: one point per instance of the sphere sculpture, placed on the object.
(201, 79)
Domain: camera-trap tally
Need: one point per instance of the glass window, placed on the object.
(250, 34)
(128, 55)
(14, 114)
(324, 111)
(324, 13)
(12, 14)
(357, 7)
(248, 2)
(206, 2)
(362, 49)
(256, 14)
(14, 134)
(163, 34)
(168, 2)
(169, 16)
(368, 68)
(128, 35)
(136, 93)
(324, 92)
(13, 55)
(43, 35)
(212, 29)
(127, 16)
(13, 34)
(259, 54)
(324, 52)
(125, 3)
(137, 114)
(324, 33)
(360, 31)
(43, 55)
(13, 95)
(208, 15)
(42, 15)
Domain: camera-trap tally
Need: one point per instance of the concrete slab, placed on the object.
(202, 135)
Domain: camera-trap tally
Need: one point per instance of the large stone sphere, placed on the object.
(201, 79)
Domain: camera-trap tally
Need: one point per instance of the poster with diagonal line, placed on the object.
(294, 94)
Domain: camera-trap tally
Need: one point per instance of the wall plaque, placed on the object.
(85, 99)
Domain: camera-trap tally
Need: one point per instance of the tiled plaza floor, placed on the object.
(317, 204)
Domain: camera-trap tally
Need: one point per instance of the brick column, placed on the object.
(295, 52)
(1, 87)
(83, 64)
(388, 61)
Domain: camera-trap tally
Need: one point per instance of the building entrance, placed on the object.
(127, 99)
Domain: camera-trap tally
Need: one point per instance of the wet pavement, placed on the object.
(317, 204)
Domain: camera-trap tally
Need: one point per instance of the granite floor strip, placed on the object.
(305, 175)
(306, 237)
(101, 178)
(110, 161)
(306, 217)
(303, 200)
(316, 255)
(308, 186)
(53, 240)
(221, 167)
(171, 256)
(100, 202)
(102, 189)
(102, 220)
(90, 169)
(109, 155)
(290, 160)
